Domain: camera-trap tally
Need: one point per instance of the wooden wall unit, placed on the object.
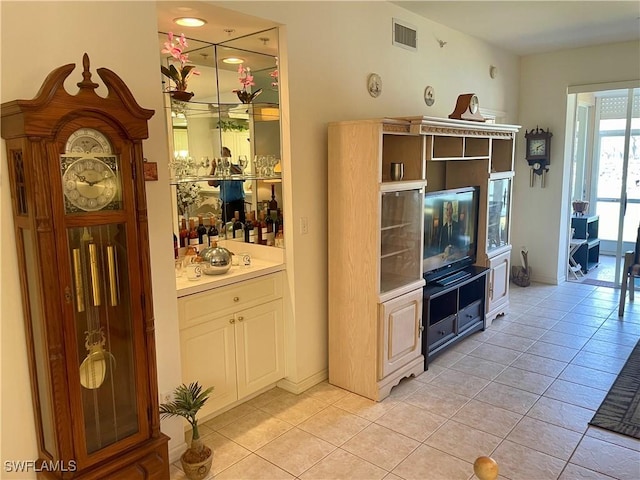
(374, 323)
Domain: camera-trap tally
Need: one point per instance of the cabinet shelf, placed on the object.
(395, 226)
(206, 178)
(394, 252)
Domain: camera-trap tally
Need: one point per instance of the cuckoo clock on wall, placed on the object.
(538, 151)
(80, 218)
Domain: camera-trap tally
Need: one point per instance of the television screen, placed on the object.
(450, 231)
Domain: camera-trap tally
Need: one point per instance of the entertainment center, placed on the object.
(428, 264)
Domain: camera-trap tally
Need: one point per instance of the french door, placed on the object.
(607, 169)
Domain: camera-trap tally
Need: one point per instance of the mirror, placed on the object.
(222, 146)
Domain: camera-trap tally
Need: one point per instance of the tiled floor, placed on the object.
(523, 392)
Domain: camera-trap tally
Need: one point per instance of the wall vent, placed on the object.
(405, 35)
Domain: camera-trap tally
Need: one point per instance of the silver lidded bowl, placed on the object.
(216, 260)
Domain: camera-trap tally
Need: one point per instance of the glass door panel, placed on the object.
(499, 203)
(103, 325)
(617, 163)
(400, 239)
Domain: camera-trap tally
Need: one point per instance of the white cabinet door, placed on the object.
(498, 285)
(208, 357)
(259, 347)
(400, 332)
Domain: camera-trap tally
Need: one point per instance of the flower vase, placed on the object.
(246, 97)
(182, 95)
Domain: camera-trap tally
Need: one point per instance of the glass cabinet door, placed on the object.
(103, 324)
(400, 239)
(499, 203)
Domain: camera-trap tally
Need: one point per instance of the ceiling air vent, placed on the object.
(404, 35)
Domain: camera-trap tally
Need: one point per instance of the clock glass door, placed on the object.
(104, 330)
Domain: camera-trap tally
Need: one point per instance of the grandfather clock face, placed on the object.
(90, 173)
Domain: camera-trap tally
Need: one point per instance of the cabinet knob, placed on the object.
(236, 299)
(231, 320)
(240, 319)
(421, 328)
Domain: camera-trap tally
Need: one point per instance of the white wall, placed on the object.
(38, 37)
(332, 47)
(541, 216)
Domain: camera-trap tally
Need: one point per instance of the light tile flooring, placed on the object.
(523, 392)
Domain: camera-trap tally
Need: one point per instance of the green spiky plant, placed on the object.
(187, 401)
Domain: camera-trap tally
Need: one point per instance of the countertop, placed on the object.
(236, 274)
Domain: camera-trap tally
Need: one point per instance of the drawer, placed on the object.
(469, 315)
(201, 307)
(441, 332)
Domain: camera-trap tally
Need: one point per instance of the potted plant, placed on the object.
(179, 75)
(187, 401)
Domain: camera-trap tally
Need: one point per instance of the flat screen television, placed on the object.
(450, 233)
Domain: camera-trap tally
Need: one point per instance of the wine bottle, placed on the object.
(249, 229)
(271, 234)
(184, 233)
(238, 226)
(175, 246)
(262, 229)
(193, 232)
(213, 231)
(203, 237)
(273, 204)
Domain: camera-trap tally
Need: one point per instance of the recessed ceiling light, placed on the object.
(189, 21)
(233, 60)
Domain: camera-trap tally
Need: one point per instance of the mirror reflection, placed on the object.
(226, 170)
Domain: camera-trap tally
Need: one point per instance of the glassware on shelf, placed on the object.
(271, 163)
(243, 162)
(259, 161)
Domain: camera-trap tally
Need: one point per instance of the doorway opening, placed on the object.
(606, 174)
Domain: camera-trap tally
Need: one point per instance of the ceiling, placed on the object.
(529, 27)
(521, 27)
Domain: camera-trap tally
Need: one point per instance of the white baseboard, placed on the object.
(299, 387)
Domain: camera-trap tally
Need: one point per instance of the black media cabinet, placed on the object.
(453, 312)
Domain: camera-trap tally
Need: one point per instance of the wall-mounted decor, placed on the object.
(538, 154)
(374, 85)
(429, 96)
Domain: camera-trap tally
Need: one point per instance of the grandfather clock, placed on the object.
(80, 215)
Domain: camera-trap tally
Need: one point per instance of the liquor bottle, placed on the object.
(175, 246)
(249, 229)
(238, 226)
(193, 232)
(184, 233)
(279, 240)
(213, 231)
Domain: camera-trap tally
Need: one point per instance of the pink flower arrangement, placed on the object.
(275, 74)
(246, 80)
(179, 75)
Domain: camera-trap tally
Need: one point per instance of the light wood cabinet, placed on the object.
(232, 338)
(498, 298)
(401, 330)
(375, 273)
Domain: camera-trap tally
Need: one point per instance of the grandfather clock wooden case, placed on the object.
(80, 215)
